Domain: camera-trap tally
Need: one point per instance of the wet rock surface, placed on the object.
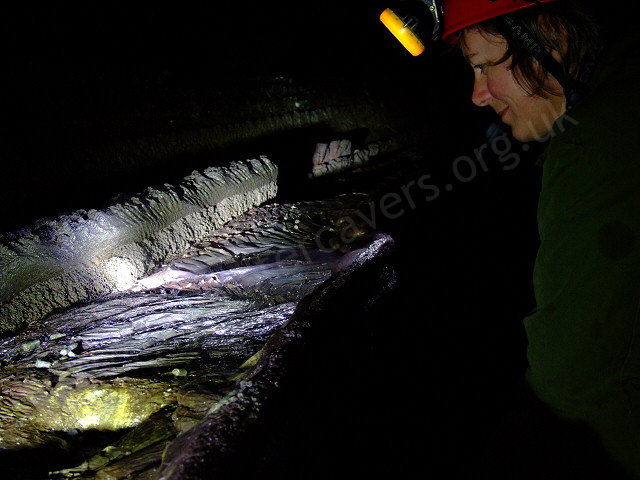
(77, 256)
(136, 383)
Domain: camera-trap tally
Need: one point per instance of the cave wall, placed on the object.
(115, 109)
(109, 100)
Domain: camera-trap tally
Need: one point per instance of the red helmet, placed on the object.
(459, 14)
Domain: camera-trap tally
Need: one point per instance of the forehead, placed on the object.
(475, 43)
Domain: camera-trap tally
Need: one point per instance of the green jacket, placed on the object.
(584, 337)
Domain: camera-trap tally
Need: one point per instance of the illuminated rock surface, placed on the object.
(180, 357)
(78, 256)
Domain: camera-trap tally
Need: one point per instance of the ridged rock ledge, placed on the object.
(79, 256)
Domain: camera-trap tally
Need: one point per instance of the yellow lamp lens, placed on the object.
(405, 35)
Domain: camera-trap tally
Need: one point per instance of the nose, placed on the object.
(481, 95)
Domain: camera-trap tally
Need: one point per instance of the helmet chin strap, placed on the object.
(573, 89)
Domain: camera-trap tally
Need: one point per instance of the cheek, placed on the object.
(502, 85)
(498, 85)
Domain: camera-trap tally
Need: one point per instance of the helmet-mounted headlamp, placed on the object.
(414, 23)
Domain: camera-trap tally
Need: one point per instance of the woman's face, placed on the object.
(530, 117)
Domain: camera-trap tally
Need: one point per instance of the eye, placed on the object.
(482, 68)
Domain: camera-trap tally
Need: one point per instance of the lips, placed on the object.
(501, 113)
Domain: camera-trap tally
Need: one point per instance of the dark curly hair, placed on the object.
(552, 24)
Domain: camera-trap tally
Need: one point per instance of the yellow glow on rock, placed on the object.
(121, 403)
(405, 35)
(103, 409)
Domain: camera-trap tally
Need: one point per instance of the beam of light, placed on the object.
(163, 277)
(120, 272)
